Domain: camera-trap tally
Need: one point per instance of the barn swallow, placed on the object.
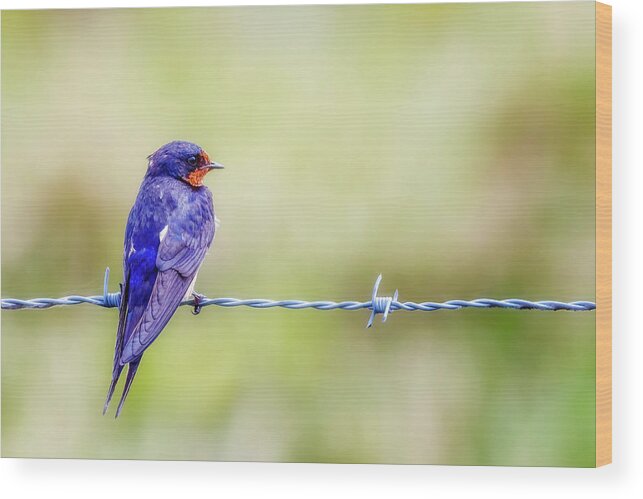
(169, 231)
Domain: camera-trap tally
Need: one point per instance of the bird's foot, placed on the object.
(198, 298)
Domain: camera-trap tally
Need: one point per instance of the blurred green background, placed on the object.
(449, 147)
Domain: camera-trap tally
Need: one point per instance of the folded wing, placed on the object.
(178, 259)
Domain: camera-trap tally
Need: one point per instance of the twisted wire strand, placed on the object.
(377, 304)
(428, 306)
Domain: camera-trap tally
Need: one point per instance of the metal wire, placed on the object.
(377, 304)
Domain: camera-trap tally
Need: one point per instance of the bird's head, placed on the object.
(181, 160)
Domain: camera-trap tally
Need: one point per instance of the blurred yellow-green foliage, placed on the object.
(449, 147)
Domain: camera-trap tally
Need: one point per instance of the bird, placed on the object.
(168, 233)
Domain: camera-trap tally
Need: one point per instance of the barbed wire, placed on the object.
(377, 304)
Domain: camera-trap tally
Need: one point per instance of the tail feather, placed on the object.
(115, 375)
(131, 372)
(122, 319)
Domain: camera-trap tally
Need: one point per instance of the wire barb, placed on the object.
(110, 300)
(384, 305)
(380, 304)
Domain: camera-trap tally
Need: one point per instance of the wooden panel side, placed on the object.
(603, 234)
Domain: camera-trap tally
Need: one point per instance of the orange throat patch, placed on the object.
(195, 178)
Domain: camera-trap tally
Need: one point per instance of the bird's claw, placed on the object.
(198, 298)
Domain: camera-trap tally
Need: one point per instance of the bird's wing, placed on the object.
(177, 261)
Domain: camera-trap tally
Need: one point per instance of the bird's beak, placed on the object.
(214, 166)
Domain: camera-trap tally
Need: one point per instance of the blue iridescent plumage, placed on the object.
(168, 233)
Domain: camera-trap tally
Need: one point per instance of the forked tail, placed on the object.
(118, 367)
(115, 375)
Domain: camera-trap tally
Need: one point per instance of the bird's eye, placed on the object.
(192, 160)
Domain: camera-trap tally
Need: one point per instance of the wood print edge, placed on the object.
(603, 234)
